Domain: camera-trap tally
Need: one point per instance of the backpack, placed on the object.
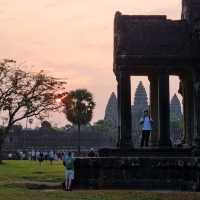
(69, 164)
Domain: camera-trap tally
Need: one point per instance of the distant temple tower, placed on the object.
(176, 121)
(140, 104)
(140, 99)
(175, 109)
(111, 114)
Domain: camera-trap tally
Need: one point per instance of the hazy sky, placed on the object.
(72, 39)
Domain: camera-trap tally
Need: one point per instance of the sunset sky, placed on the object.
(72, 39)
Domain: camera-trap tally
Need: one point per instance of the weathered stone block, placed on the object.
(138, 172)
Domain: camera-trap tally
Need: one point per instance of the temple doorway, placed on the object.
(139, 102)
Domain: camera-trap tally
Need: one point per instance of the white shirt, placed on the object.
(51, 154)
(147, 121)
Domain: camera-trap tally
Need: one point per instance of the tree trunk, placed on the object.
(1, 143)
(3, 134)
(79, 139)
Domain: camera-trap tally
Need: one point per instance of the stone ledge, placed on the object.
(174, 173)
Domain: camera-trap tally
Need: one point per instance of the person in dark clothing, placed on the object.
(41, 158)
(146, 122)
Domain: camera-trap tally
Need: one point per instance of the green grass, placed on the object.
(13, 193)
(30, 170)
(12, 171)
(25, 194)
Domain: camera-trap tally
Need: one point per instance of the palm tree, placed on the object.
(79, 106)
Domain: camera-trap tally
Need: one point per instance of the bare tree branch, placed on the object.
(25, 94)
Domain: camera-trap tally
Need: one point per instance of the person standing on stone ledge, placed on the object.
(147, 122)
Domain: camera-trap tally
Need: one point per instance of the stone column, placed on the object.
(182, 92)
(163, 109)
(119, 112)
(187, 93)
(154, 108)
(197, 112)
(124, 109)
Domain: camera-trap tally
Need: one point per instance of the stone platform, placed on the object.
(148, 152)
(139, 172)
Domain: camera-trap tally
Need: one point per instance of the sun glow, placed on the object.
(59, 100)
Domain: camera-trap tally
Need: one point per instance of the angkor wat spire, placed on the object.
(175, 109)
(111, 110)
(140, 99)
(139, 105)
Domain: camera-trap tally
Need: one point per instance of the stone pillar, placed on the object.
(163, 109)
(181, 92)
(197, 112)
(154, 108)
(119, 112)
(187, 94)
(124, 109)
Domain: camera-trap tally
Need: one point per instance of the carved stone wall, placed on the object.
(138, 172)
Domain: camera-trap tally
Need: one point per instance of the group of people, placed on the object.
(44, 155)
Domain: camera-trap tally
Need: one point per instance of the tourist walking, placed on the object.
(51, 157)
(33, 155)
(147, 123)
(37, 155)
(41, 158)
(68, 162)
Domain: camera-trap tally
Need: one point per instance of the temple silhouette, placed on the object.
(157, 47)
(140, 104)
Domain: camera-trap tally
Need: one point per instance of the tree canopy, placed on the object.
(24, 94)
(79, 105)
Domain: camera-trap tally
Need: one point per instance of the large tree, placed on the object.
(79, 106)
(25, 94)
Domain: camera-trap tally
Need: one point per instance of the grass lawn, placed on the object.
(31, 171)
(11, 193)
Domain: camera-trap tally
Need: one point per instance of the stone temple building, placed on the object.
(157, 47)
(140, 104)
